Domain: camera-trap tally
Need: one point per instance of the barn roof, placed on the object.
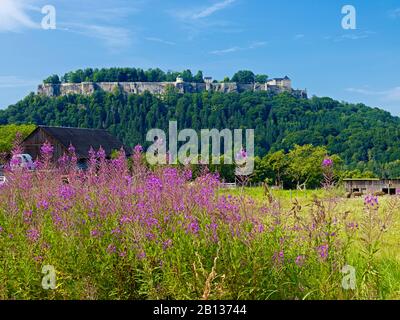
(83, 139)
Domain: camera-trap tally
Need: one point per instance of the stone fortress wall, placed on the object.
(88, 88)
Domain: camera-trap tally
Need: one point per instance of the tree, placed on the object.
(8, 134)
(244, 76)
(261, 78)
(198, 78)
(54, 79)
(278, 162)
(187, 76)
(305, 165)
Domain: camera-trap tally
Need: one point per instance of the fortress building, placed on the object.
(283, 83)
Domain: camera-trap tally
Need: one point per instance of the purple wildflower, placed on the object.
(47, 149)
(141, 255)
(111, 249)
(279, 257)
(371, 200)
(138, 149)
(194, 227)
(43, 205)
(300, 261)
(323, 251)
(167, 244)
(33, 235)
(94, 233)
(328, 162)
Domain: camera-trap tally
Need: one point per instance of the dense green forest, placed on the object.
(150, 75)
(366, 139)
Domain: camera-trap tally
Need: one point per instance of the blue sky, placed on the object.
(303, 39)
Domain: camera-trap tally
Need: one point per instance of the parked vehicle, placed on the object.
(22, 161)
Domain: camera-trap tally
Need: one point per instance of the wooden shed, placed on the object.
(82, 140)
(365, 186)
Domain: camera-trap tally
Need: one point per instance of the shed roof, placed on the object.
(83, 139)
(362, 179)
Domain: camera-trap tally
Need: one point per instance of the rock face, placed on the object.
(88, 88)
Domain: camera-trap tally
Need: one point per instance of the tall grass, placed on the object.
(122, 231)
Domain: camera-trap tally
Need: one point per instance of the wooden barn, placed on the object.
(82, 140)
(366, 186)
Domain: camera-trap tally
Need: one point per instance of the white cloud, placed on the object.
(113, 37)
(153, 39)
(392, 94)
(299, 36)
(228, 50)
(15, 82)
(351, 36)
(14, 16)
(212, 9)
(395, 13)
(253, 45)
(198, 14)
(108, 14)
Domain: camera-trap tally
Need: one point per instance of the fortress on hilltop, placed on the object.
(274, 86)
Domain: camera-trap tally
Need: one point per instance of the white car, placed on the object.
(22, 161)
(3, 180)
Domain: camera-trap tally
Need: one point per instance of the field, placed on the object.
(123, 231)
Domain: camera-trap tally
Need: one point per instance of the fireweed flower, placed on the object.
(323, 251)
(138, 149)
(66, 192)
(193, 227)
(111, 249)
(95, 233)
(141, 255)
(300, 261)
(33, 235)
(125, 219)
(328, 162)
(371, 201)
(43, 204)
(101, 154)
(279, 257)
(150, 236)
(352, 226)
(116, 231)
(71, 149)
(242, 154)
(28, 216)
(46, 149)
(154, 183)
(167, 244)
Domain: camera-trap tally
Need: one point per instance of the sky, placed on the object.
(303, 39)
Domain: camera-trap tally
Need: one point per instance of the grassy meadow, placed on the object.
(122, 231)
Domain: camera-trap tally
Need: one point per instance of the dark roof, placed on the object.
(362, 179)
(83, 139)
(280, 79)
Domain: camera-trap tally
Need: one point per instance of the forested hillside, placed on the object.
(365, 138)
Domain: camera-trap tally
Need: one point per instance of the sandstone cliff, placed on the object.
(88, 88)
